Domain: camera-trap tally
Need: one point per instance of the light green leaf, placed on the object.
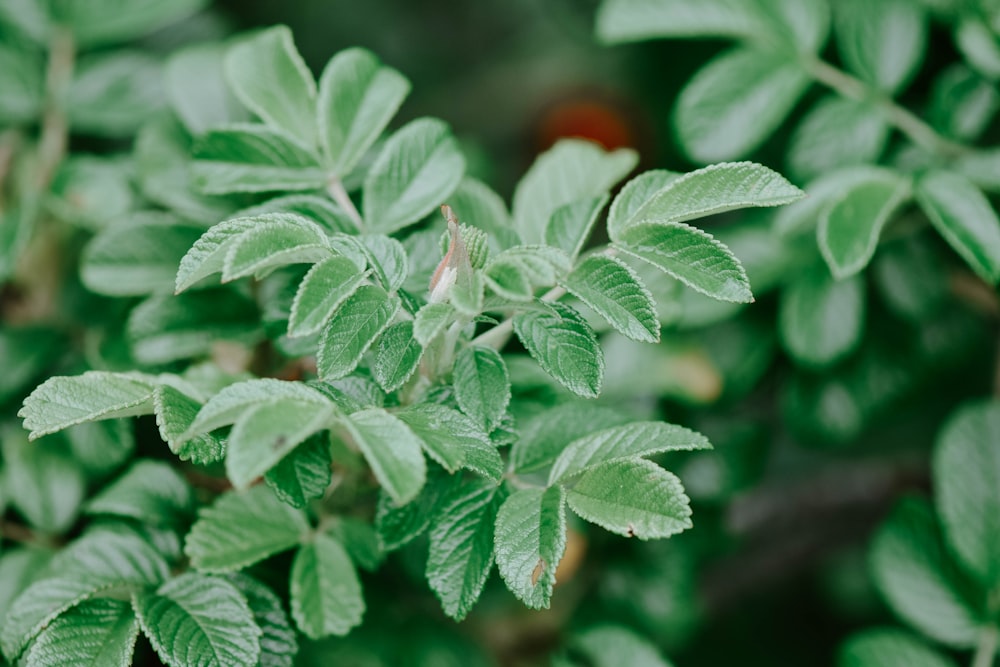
(448, 436)
(690, 255)
(978, 44)
(63, 401)
(100, 633)
(571, 224)
(634, 498)
(265, 433)
(620, 443)
(22, 80)
(303, 474)
(259, 251)
(90, 191)
(195, 615)
(49, 598)
(387, 258)
(241, 528)
(252, 158)
(175, 413)
(573, 169)
(361, 318)
(321, 292)
(108, 21)
(197, 90)
(476, 204)
(850, 227)
(635, 194)
(397, 356)
(392, 451)
(611, 645)
(530, 541)
(20, 567)
(882, 43)
(326, 593)
(545, 436)
(482, 386)
(632, 20)
(735, 102)
(113, 94)
(614, 291)
(269, 76)
(889, 648)
(278, 644)
(420, 165)
(837, 132)
(150, 491)
(966, 467)
(358, 96)
(820, 319)
(42, 481)
(100, 448)
(233, 401)
(461, 550)
(566, 348)
(321, 210)
(431, 320)
(920, 581)
(963, 216)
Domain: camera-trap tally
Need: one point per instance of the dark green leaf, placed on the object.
(359, 320)
(278, 644)
(545, 437)
(449, 437)
(530, 542)
(97, 632)
(615, 292)
(482, 386)
(889, 648)
(397, 356)
(564, 346)
(302, 475)
(175, 413)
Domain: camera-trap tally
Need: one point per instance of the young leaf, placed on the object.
(358, 96)
(849, 229)
(610, 645)
(149, 491)
(883, 43)
(570, 224)
(571, 170)
(195, 615)
(461, 550)
(175, 412)
(546, 435)
(233, 401)
(921, 583)
(691, 256)
(963, 216)
(326, 593)
(397, 356)
(837, 132)
(634, 498)
(420, 165)
(241, 528)
(447, 434)
(614, 291)
(820, 319)
(530, 542)
(566, 348)
(321, 292)
(303, 474)
(478, 205)
(60, 402)
(261, 250)
(889, 648)
(361, 318)
(97, 632)
(482, 386)
(619, 443)
(392, 451)
(966, 465)
(278, 644)
(736, 101)
(269, 76)
(431, 320)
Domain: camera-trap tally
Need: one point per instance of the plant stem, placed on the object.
(55, 126)
(900, 117)
(335, 188)
(498, 336)
(986, 648)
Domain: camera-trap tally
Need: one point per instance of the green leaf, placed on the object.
(360, 540)
(101, 447)
(461, 549)
(850, 227)
(252, 158)
(25, 353)
(963, 216)
(573, 169)
(884, 43)
(108, 21)
(321, 292)
(530, 541)
(233, 401)
(387, 258)
(635, 194)
(392, 451)
(278, 644)
(632, 20)
(358, 96)
(321, 210)
(837, 132)
(302, 475)
(634, 498)
(98, 632)
(259, 251)
(820, 319)
(195, 615)
(175, 413)
(614, 291)
(966, 465)
(197, 90)
(63, 401)
(361, 318)
(43, 482)
(267, 432)
(448, 436)
(962, 105)
(431, 320)
(736, 101)
(571, 224)
(477, 204)
(113, 94)
(396, 526)
(150, 491)
(90, 191)
(22, 80)
(326, 593)
(620, 443)
(269, 76)
(539, 266)
(610, 645)
(397, 356)
(889, 648)
(241, 528)
(49, 598)
(565, 346)
(545, 436)
(919, 580)
(978, 44)
(690, 255)
(420, 165)
(482, 386)
(137, 257)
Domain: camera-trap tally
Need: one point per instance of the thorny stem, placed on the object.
(335, 188)
(986, 648)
